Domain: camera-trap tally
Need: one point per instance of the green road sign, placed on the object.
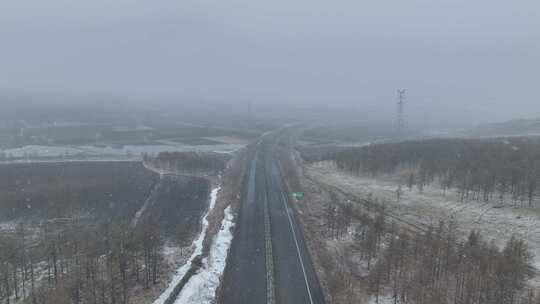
(298, 194)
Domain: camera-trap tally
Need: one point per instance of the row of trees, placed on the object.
(338, 218)
(480, 169)
(435, 266)
(77, 264)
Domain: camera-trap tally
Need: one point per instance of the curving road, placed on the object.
(268, 261)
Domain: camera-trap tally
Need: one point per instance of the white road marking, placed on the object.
(297, 247)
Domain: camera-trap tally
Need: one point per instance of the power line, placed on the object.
(400, 121)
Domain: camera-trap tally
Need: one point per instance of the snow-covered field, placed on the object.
(201, 288)
(432, 206)
(197, 250)
(36, 151)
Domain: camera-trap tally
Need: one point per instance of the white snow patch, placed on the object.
(383, 299)
(36, 151)
(201, 288)
(9, 225)
(197, 244)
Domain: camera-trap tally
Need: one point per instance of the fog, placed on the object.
(461, 61)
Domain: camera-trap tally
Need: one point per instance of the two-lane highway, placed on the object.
(291, 277)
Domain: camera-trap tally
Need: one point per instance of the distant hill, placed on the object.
(508, 128)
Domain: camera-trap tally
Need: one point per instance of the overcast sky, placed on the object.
(470, 59)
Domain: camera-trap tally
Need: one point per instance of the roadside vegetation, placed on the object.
(367, 253)
(478, 169)
(65, 233)
(433, 266)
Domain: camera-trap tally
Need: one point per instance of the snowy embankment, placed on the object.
(197, 245)
(201, 287)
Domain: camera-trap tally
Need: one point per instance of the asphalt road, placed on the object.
(246, 274)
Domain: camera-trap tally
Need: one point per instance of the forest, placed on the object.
(65, 234)
(79, 264)
(433, 266)
(493, 169)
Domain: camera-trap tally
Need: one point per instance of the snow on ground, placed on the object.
(174, 254)
(197, 245)
(149, 201)
(431, 207)
(383, 299)
(201, 288)
(34, 151)
(40, 271)
(9, 226)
